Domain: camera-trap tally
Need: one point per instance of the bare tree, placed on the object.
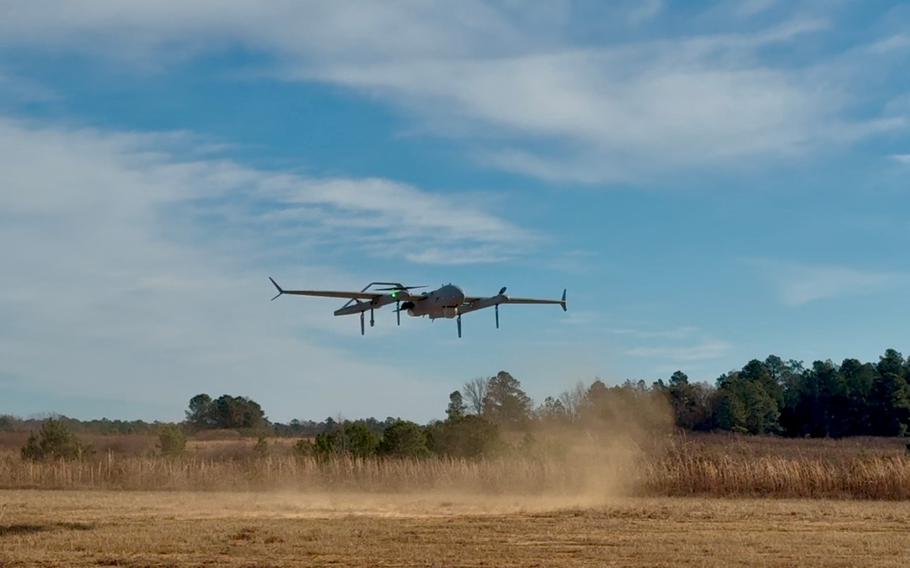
(475, 391)
(573, 400)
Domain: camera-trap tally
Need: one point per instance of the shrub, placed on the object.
(467, 437)
(354, 438)
(304, 448)
(261, 449)
(54, 441)
(171, 440)
(404, 439)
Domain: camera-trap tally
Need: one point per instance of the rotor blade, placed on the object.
(398, 288)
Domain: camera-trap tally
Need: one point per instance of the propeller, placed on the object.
(402, 307)
(399, 288)
(502, 292)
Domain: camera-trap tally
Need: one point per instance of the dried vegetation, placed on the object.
(707, 465)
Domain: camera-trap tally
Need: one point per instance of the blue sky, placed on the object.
(712, 182)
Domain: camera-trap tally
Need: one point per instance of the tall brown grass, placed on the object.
(706, 465)
(292, 473)
(797, 469)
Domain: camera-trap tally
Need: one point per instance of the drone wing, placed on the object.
(561, 301)
(502, 298)
(325, 293)
(332, 294)
(512, 300)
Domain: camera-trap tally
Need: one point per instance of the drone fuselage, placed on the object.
(440, 303)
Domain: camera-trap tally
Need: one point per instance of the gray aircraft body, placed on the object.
(447, 301)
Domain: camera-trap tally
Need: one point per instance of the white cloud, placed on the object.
(17, 89)
(510, 80)
(800, 283)
(680, 332)
(750, 8)
(134, 273)
(580, 318)
(898, 42)
(618, 113)
(901, 158)
(644, 11)
(701, 351)
(674, 345)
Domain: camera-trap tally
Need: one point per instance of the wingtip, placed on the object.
(277, 287)
(563, 302)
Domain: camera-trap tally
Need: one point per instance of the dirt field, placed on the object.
(95, 528)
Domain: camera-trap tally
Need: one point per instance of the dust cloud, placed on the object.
(589, 462)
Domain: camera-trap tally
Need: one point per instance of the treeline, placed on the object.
(772, 396)
(102, 426)
(776, 397)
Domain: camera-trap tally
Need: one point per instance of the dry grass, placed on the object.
(100, 528)
(310, 474)
(865, 468)
(702, 465)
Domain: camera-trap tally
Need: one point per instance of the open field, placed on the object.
(676, 502)
(102, 528)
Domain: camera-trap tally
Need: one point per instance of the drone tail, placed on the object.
(277, 287)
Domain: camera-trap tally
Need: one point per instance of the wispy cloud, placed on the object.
(617, 112)
(750, 8)
(557, 110)
(801, 283)
(17, 89)
(144, 270)
(377, 216)
(645, 11)
(671, 346)
(901, 158)
(681, 332)
(701, 351)
(890, 44)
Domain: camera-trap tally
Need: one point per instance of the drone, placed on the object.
(447, 301)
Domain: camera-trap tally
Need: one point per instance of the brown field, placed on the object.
(104, 528)
(705, 500)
